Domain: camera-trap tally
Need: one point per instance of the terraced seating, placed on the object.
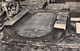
(55, 7)
(16, 18)
(61, 20)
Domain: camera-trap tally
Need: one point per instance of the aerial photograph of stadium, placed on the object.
(39, 25)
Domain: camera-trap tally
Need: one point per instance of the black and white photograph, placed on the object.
(39, 25)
